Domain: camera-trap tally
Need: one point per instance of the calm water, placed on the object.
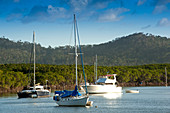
(149, 100)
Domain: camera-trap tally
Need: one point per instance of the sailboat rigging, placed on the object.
(96, 68)
(166, 84)
(37, 90)
(73, 98)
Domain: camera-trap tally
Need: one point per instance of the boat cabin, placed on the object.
(37, 87)
(105, 80)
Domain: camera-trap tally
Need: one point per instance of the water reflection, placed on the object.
(109, 95)
(150, 100)
(6, 95)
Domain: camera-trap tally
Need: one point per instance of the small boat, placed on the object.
(73, 98)
(32, 92)
(37, 90)
(104, 85)
(132, 91)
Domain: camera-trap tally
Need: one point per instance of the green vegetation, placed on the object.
(135, 49)
(126, 56)
(17, 75)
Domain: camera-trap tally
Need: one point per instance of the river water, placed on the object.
(149, 100)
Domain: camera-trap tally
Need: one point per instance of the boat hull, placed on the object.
(99, 89)
(43, 93)
(73, 101)
(132, 91)
(27, 94)
(33, 94)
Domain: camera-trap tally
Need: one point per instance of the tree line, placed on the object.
(20, 75)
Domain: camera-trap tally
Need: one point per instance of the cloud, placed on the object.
(37, 13)
(109, 17)
(159, 9)
(44, 14)
(14, 16)
(141, 2)
(87, 9)
(160, 6)
(57, 12)
(50, 11)
(78, 5)
(99, 4)
(112, 15)
(146, 27)
(163, 22)
(75, 5)
(162, 2)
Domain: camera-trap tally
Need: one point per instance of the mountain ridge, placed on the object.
(134, 49)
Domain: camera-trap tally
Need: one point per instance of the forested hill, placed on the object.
(135, 49)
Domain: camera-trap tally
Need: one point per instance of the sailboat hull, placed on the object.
(73, 101)
(33, 93)
(27, 94)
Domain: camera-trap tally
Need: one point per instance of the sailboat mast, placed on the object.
(96, 67)
(94, 72)
(76, 55)
(34, 56)
(166, 76)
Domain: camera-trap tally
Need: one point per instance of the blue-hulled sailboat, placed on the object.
(73, 98)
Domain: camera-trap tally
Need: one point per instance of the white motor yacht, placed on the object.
(104, 85)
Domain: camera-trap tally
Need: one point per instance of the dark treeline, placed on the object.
(135, 49)
(13, 76)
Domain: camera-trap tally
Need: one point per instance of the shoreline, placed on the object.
(143, 84)
(68, 87)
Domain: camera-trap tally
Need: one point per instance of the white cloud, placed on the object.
(55, 10)
(159, 8)
(112, 15)
(141, 2)
(163, 22)
(108, 17)
(78, 5)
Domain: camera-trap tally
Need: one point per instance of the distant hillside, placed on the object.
(135, 49)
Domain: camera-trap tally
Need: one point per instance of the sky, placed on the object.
(99, 21)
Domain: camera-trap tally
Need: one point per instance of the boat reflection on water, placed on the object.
(109, 95)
